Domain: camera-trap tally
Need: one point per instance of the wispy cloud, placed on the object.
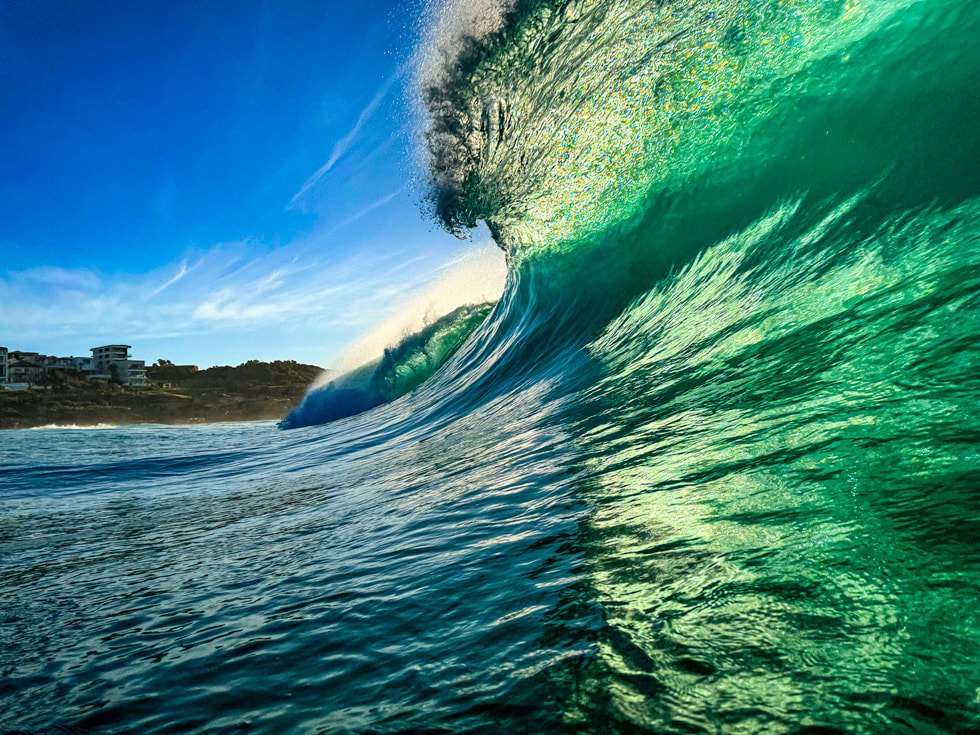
(365, 210)
(180, 274)
(62, 278)
(364, 162)
(229, 291)
(344, 143)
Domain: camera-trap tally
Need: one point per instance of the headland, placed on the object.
(173, 394)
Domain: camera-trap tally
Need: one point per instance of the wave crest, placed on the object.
(559, 118)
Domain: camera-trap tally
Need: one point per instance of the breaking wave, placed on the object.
(744, 249)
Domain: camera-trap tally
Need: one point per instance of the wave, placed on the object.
(400, 370)
(605, 145)
(744, 296)
(744, 240)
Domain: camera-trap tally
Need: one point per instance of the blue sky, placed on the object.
(208, 182)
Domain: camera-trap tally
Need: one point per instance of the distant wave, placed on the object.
(400, 354)
(401, 369)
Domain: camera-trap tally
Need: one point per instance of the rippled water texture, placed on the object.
(339, 580)
(709, 466)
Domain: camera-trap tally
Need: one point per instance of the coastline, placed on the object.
(252, 391)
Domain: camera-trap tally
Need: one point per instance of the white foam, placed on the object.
(453, 20)
(87, 427)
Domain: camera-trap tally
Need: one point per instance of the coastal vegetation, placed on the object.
(174, 394)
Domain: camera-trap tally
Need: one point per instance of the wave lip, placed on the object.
(557, 120)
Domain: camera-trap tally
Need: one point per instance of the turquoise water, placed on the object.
(710, 465)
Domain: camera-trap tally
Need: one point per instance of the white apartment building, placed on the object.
(107, 362)
(130, 372)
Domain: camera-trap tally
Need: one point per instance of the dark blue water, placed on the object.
(180, 579)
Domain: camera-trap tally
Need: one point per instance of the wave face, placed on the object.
(710, 465)
(744, 238)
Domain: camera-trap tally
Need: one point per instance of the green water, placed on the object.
(775, 207)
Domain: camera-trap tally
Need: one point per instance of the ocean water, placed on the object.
(710, 465)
